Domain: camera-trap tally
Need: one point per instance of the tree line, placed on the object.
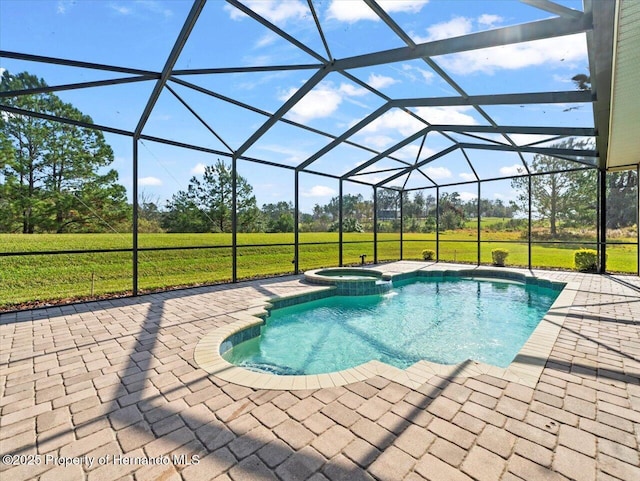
(57, 178)
(206, 206)
(53, 177)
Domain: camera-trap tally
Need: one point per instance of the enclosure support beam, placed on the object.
(417, 165)
(338, 140)
(375, 224)
(75, 86)
(74, 63)
(266, 23)
(555, 27)
(571, 96)
(248, 69)
(340, 255)
(513, 129)
(63, 120)
(188, 25)
(554, 151)
(286, 107)
(387, 152)
(134, 259)
(553, 8)
(296, 221)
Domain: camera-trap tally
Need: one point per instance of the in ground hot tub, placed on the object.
(351, 281)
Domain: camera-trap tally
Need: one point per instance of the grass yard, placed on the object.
(191, 259)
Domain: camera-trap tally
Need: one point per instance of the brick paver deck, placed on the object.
(112, 385)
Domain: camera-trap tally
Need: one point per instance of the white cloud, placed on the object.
(265, 41)
(524, 139)
(455, 27)
(467, 196)
(394, 121)
(467, 176)
(63, 6)
(264, 79)
(399, 122)
(378, 141)
(350, 11)
(352, 90)
(446, 115)
(155, 7)
(322, 101)
(140, 7)
(561, 78)
(396, 182)
(372, 178)
(276, 11)
(285, 154)
(380, 81)
(198, 169)
(145, 181)
(122, 10)
(489, 20)
(551, 52)
(410, 152)
(355, 11)
(319, 191)
(514, 169)
(437, 172)
(423, 75)
(505, 198)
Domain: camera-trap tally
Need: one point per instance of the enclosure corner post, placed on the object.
(478, 225)
(529, 223)
(602, 219)
(234, 219)
(340, 216)
(437, 224)
(401, 194)
(296, 223)
(375, 224)
(134, 218)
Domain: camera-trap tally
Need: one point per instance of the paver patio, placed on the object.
(116, 382)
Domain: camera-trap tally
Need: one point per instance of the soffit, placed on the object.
(624, 147)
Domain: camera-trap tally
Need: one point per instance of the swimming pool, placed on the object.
(445, 320)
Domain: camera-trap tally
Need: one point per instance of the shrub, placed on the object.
(429, 225)
(586, 260)
(511, 225)
(429, 255)
(499, 256)
(349, 224)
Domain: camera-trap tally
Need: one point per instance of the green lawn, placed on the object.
(38, 278)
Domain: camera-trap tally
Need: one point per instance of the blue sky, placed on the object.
(141, 33)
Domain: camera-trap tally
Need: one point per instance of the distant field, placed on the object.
(38, 278)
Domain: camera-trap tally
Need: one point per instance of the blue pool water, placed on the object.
(441, 321)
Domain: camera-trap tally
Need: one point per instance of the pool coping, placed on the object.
(526, 368)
